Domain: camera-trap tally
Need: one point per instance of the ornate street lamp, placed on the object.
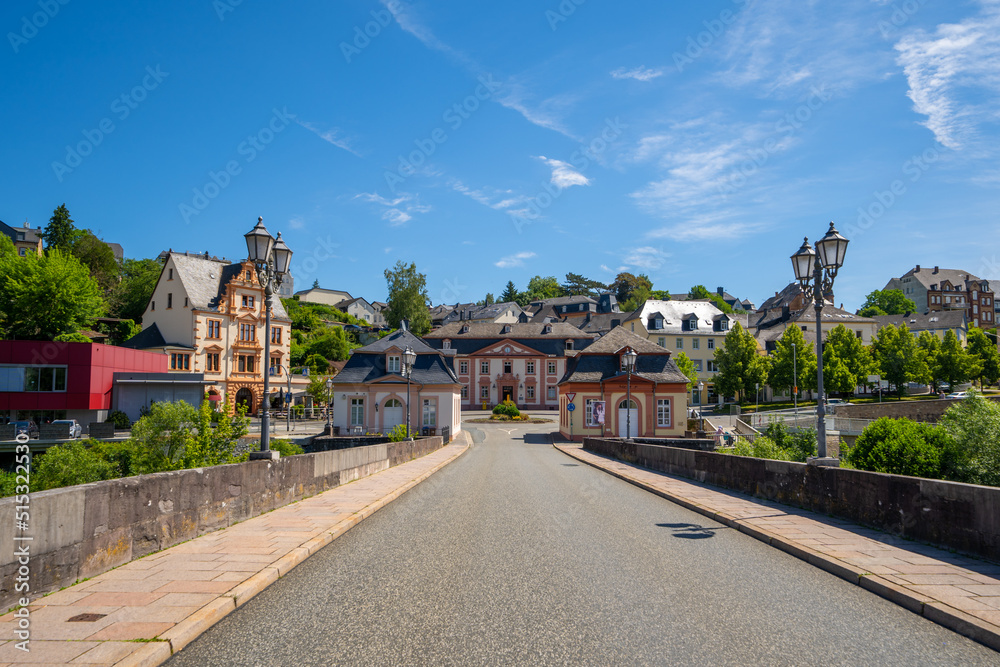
(329, 403)
(409, 358)
(270, 258)
(701, 410)
(629, 358)
(795, 384)
(820, 266)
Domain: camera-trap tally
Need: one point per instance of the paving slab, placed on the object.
(960, 593)
(144, 611)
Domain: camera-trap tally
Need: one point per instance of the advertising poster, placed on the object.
(598, 407)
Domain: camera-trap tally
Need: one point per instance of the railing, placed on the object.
(806, 418)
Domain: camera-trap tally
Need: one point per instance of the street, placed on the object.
(518, 554)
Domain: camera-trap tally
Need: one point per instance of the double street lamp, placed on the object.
(820, 266)
(629, 359)
(270, 258)
(409, 358)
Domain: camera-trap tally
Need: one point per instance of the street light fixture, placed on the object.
(701, 410)
(820, 266)
(795, 384)
(409, 358)
(629, 358)
(288, 399)
(329, 402)
(270, 258)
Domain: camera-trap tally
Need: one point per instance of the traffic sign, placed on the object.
(570, 396)
(571, 407)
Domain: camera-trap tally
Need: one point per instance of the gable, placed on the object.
(508, 348)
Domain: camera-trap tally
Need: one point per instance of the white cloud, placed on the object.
(331, 136)
(647, 257)
(637, 73)
(563, 173)
(945, 67)
(694, 230)
(396, 217)
(387, 250)
(399, 210)
(498, 200)
(514, 260)
(296, 223)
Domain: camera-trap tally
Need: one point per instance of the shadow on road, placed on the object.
(537, 439)
(690, 531)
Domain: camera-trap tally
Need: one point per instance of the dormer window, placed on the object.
(506, 328)
(692, 324)
(447, 344)
(465, 328)
(547, 329)
(392, 363)
(569, 344)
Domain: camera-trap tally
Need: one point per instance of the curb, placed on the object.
(933, 610)
(176, 638)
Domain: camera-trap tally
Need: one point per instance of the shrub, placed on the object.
(507, 408)
(398, 433)
(286, 447)
(69, 464)
(8, 483)
(72, 338)
(973, 428)
(119, 419)
(762, 447)
(799, 445)
(900, 447)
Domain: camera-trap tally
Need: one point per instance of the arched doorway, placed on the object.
(392, 414)
(245, 397)
(628, 415)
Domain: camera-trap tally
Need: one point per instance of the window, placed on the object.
(529, 392)
(32, 378)
(463, 367)
(152, 306)
(569, 345)
(663, 412)
(695, 344)
(23, 252)
(170, 300)
(275, 367)
(392, 363)
(276, 335)
(661, 341)
(465, 392)
(552, 393)
(248, 301)
(552, 368)
(711, 343)
(246, 363)
(692, 324)
(447, 343)
(529, 367)
(212, 362)
(214, 328)
(180, 362)
(680, 343)
(588, 412)
(484, 367)
(248, 332)
(484, 392)
(805, 328)
(430, 412)
(697, 364)
(170, 274)
(357, 412)
(508, 367)
(185, 302)
(858, 333)
(712, 366)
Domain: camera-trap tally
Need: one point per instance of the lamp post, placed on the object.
(288, 402)
(270, 258)
(795, 385)
(629, 358)
(329, 402)
(820, 266)
(409, 357)
(701, 410)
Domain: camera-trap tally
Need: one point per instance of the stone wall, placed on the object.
(81, 531)
(956, 516)
(921, 411)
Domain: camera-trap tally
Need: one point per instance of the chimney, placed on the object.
(404, 325)
(26, 225)
(935, 269)
(720, 291)
(615, 323)
(775, 294)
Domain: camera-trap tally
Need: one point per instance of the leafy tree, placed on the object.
(625, 284)
(509, 294)
(317, 389)
(886, 302)
(974, 426)
(407, 298)
(701, 292)
(930, 346)
(60, 232)
(800, 444)
(540, 288)
(982, 348)
(44, 296)
(686, 366)
(316, 284)
(954, 364)
(660, 295)
(69, 464)
(162, 436)
(898, 357)
(740, 367)
(71, 338)
(578, 284)
(129, 297)
(640, 295)
(97, 256)
(792, 367)
(7, 248)
(900, 447)
(489, 300)
(844, 348)
(331, 344)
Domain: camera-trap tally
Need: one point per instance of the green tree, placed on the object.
(792, 367)
(845, 348)
(163, 435)
(686, 366)
(930, 346)
(489, 300)
(886, 302)
(129, 297)
(954, 364)
(741, 368)
(898, 357)
(625, 284)
(331, 344)
(577, 284)
(974, 426)
(7, 248)
(316, 284)
(509, 294)
(979, 345)
(900, 447)
(44, 296)
(701, 292)
(540, 288)
(60, 232)
(407, 298)
(98, 257)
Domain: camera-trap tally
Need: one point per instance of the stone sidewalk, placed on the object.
(146, 610)
(960, 593)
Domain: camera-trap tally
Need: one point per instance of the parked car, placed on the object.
(75, 430)
(27, 427)
(958, 394)
(837, 401)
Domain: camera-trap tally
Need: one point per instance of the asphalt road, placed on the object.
(517, 554)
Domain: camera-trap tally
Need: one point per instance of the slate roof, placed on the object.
(205, 281)
(564, 300)
(367, 363)
(674, 313)
(600, 323)
(927, 276)
(600, 362)
(930, 321)
(148, 338)
(453, 330)
(829, 314)
(399, 338)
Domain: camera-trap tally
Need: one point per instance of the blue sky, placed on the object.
(493, 141)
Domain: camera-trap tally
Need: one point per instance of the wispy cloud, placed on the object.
(637, 73)
(296, 223)
(498, 200)
(954, 75)
(408, 21)
(514, 260)
(399, 210)
(331, 136)
(563, 173)
(647, 258)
